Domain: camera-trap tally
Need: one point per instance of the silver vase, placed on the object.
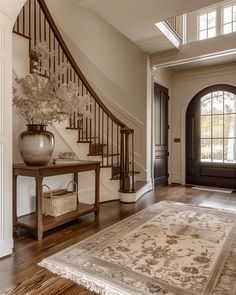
(36, 145)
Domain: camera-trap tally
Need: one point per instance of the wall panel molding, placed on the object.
(2, 37)
(6, 239)
(215, 71)
(1, 194)
(1, 94)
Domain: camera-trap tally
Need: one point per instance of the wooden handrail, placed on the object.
(74, 64)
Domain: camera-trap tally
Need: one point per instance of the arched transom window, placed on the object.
(218, 130)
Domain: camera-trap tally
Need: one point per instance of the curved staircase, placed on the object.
(108, 138)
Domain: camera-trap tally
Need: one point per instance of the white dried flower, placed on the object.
(41, 98)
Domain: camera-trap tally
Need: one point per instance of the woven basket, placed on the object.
(59, 202)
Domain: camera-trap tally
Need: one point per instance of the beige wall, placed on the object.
(115, 65)
(191, 27)
(118, 60)
(185, 85)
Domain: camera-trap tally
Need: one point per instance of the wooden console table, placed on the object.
(39, 223)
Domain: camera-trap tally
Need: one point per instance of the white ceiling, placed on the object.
(136, 18)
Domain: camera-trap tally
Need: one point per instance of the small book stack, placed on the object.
(66, 158)
(65, 161)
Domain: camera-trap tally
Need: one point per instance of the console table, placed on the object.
(39, 223)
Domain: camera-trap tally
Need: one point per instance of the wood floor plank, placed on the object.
(21, 273)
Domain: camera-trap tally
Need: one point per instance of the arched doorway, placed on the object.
(211, 137)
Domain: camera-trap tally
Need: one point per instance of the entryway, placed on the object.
(211, 137)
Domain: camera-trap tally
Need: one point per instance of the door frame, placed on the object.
(166, 91)
(183, 138)
(165, 82)
(183, 123)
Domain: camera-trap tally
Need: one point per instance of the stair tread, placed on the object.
(99, 144)
(88, 140)
(117, 176)
(137, 186)
(73, 128)
(84, 141)
(109, 166)
(104, 155)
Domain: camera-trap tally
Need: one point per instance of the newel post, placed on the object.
(127, 160)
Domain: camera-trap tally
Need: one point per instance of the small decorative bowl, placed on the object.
(67, 155)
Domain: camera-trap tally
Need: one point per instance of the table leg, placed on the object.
(38, 213)
(14, 202)
(97, 183)
(76, 187)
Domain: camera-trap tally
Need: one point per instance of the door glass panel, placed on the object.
(206, 105)
(217, 126)
(229, 150)
(217, 102)
(229, 102)
(205, 126)
(206, 150)
(217, 150)
(229, 125)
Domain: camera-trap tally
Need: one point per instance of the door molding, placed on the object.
(183, 139)
(9, 9)
(164, 78)
(160, 135)
(6, 239)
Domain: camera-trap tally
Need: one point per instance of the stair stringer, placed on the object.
(108, 188)
(117, 109)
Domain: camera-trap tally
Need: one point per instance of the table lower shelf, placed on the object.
(28, 221)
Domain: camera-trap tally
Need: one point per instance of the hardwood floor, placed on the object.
(20, 272)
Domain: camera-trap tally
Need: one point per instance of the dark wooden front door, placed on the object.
(160, 135)
(211, 138)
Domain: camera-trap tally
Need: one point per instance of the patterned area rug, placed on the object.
(168, 248)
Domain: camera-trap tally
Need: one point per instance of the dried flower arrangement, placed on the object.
(41, 98)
